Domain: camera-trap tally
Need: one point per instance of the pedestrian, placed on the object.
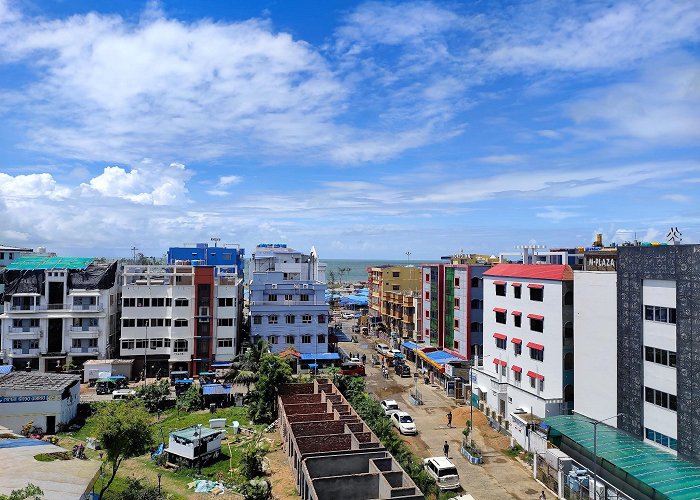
(446, 449)
(542, 496)
(449, 419)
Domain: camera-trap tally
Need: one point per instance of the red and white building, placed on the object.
(528, 341)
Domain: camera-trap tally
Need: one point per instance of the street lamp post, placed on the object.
(595, 450)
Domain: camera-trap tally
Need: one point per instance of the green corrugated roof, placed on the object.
(669, 475)
(30, 262)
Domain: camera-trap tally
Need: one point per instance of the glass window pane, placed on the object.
(649, 313)
(663, 314)
(672, 359)
(672, 402)
(658, 355)
(650, 434)
(649, 395)
(649, 354)
(664, 399)
(658, 437)
(672, 315)
(657, 398)
(664, 440)
(673, 444)
(664, 357)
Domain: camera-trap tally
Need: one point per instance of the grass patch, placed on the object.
(50, 457)
(512, 452)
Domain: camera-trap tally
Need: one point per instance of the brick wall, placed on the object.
(316, 444)
(318, 428)
(300, 398)
(293, 409)
(309, 417)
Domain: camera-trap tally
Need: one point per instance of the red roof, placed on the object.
(516, 313)
(499, 310)
(499, 282)
(500, 336)
(289, 352)
(515, 284)
(554, 272)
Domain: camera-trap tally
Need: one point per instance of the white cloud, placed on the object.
(229, 180)
(502, 159)
(556, 214)
(677, 198)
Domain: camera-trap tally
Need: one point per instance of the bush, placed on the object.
(139, 489)
(154, 395)
(251, 462)
(191, 400)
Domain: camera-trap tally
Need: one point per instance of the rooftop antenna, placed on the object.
(133, 249)
(216, 241)
(408, 256)
(674, 236)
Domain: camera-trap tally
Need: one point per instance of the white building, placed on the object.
(49, 400)
(180, 317)
(528, 340)
(287, 299)
(58, 310)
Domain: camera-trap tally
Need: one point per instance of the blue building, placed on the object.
(201, 254)
(287, 299)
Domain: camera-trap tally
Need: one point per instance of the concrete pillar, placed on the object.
(534, 466)
(560, 483)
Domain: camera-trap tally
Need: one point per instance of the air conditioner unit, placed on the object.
(296, 287)
(274, 286)
(306, 285)
(204, 311)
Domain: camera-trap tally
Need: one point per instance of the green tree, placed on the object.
(30, 491)
(124, 431)
(251, 462)
(139, 489)
(191, 400)
(273, 371)
(154, 395)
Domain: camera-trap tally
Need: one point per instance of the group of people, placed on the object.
(385, 372)
(79, 451)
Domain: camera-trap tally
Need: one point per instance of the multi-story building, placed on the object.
(538, 254)
(59, 310)
(387, 278)
(180, 317)
(528, 340)
(645, 336)
(226, 257)
(452, 298)
(287, 299)
(8, 254)
(401, 313)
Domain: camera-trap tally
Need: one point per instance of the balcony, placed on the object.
(85, 350)
(499, 387)
(84, 329)
(25, 330)
(56, 307)
(24, 352)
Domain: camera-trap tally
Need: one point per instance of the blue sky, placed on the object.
(367, 129)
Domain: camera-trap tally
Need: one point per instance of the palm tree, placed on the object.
(244, 370)
(245, 377)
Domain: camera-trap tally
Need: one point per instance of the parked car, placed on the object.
(403, 422)
(402, 369)
(382, 348)
(395, 352)
(348, 315)
(353, 369)
(354, 361)
(124, 394)
(389, 406)
(443, 471)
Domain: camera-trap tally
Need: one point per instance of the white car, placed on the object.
(443, 471)
(395, 352)
(123, 394)
(389, 406)
(348, 315)
(382, 348)
(403, 422)
(354, 361)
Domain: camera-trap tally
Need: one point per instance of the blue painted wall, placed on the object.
(211, 256)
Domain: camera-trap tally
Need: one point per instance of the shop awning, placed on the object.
(499, 336)
(534, 285)
(535, 316)
(516, 340)
(516, 284)
(221, 365)
(532, 345)
(437, 359)
(532, 374)
(410, 345)
(516, 313)
(499, 310)
(516, 368)
(497, 361)
(499, 282)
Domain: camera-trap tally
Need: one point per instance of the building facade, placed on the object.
(59, 311)
(287, 299)
(382, 279)
(452, 307)
(401, 312)
(180, 317)
(227, 257)
(528, 341)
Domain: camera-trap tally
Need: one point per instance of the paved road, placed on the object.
(498, 478)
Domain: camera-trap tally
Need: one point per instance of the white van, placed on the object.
(443, 471)
(124, 394)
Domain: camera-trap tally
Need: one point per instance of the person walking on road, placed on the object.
(449, 419)
(446, 449)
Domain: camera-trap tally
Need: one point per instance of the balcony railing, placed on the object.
(84, 329)
(20, 352)
(25, 329)
(288, 302)
(84, 350)
(57, 307)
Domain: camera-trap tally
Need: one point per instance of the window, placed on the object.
(427, 295)
(128, 323)
(17, 344)
(503, 370)
(225, 322)
(180, 323)
(427, 314)
(306, 319)
(129, 302)
(288, 297)
(395, 288)
(537, 354)
(273, 339)
(289, 339)
(272, 319)
(541, 384)
(143, 302)
(156, 343)
(158, 302)
(166, 343)
(456, 281)
(476, 304)
(660, 314)
(660, 398)
(157, 322)
(396, 274)
(457, 302)
(517, 292)
(517, 349)
(532, 382)
(455, 345)
(257, 320)
(321, 339)
(321, 318)
(306, 339)
(501, 290)
(456, 323)
(501, 317)
(475, 282)
(427, 277)
(168, 302)
(228, 301)
(181, 302)
(501, 343)
(127, 344)
(167, 322)
(180, 345)
(142, 322)
(224, 343)
(140, 344)
(536, 325)
(517, 320)
(289, 319)
(661, 439)
(304, 297)
(518, 376)
(475, 327)
(537, 294)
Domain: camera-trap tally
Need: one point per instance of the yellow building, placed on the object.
(388, 278)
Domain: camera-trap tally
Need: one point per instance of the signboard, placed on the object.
(449, 370)
(473, 378)
(23, 399)
(600, 261)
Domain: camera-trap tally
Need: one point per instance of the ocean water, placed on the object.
(357, 269)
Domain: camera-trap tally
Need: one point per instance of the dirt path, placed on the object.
(283, 484)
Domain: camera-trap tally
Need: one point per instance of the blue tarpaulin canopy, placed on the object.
(209, 389)
(4, 369)
(221, 365)
(321, 356)
(441, 357)
(410, 345)
(313, 365)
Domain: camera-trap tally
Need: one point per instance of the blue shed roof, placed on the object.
(321, 356)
